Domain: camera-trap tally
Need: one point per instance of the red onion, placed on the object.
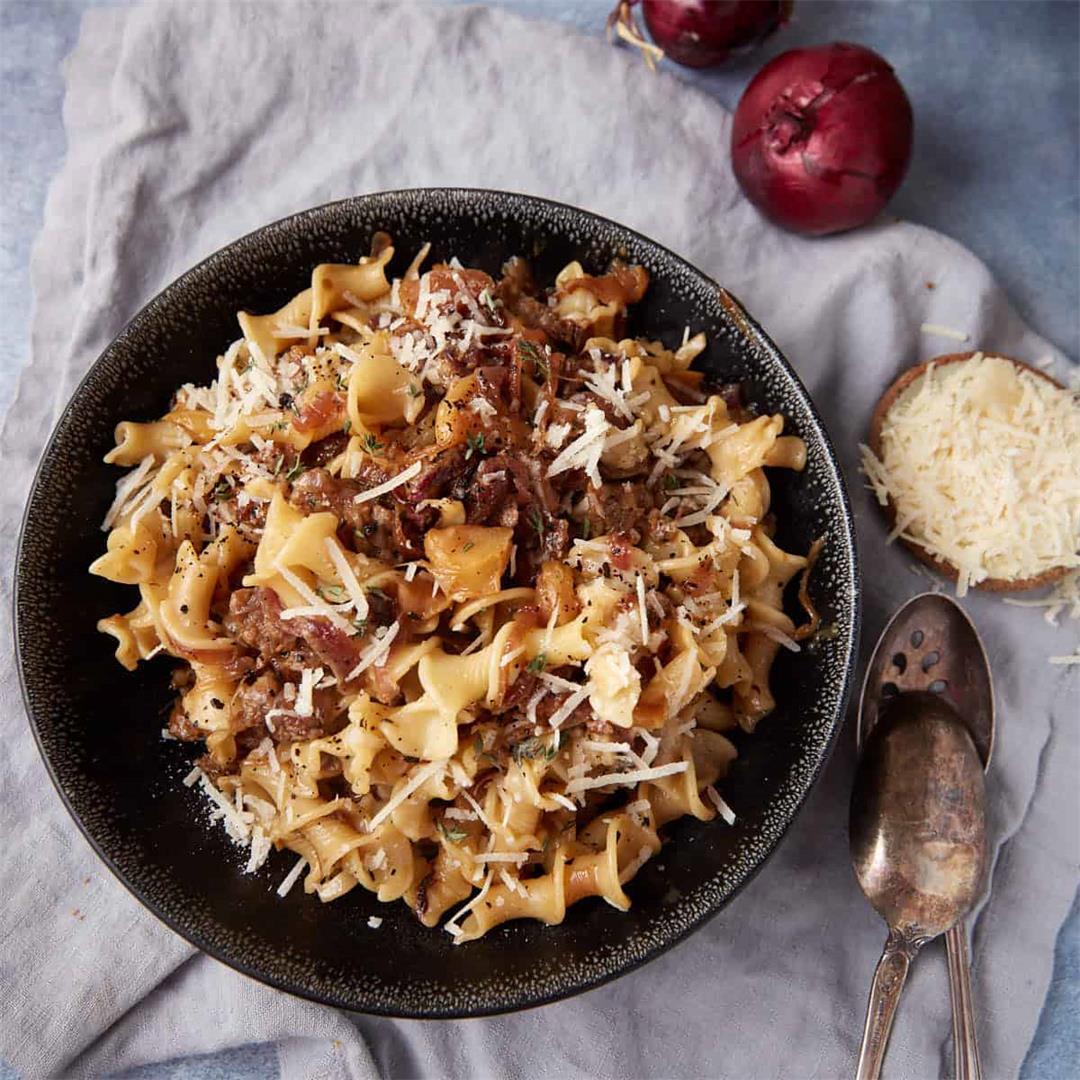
(700, 33)
(822, 138)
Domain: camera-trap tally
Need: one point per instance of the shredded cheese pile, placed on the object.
(1063, 597)
(981, 460)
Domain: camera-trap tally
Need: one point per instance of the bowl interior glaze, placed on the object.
(99, 727)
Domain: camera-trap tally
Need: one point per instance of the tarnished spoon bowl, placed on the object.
(918, 841)
(918, 828)
(930, 644)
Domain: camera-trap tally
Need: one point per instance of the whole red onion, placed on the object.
(701, 33)
(822, 138)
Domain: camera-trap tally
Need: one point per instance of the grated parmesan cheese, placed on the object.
(484, 819)
(290, 879)
(314, 601)
(722, 807)
(236, 822)
(452, 926)
(530, 708)
(935, 330)
(603, 384)
(309, 679)
(584, 452)
(1064, 594)
(643, 610)
(128, 488)
(652, 745)
(348, 578)
(774, 633)
(557, 682)
(556, 434)
(402, 477)
(980, 461)
(634, 776)
(511, 884)
(419, 778)
(598, 746)
(376, 652)
(1071, 658)
(570, 704)
(259, 851)
(635, 865)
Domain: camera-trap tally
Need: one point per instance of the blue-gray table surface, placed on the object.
(996, 94)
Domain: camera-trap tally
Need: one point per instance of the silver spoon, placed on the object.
(918, 833)
(931, 644)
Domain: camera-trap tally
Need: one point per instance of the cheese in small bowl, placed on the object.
(976, 459)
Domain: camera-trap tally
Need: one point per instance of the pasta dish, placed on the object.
(468, 585)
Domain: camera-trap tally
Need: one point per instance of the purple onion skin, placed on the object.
(704, 33)
(822, 138)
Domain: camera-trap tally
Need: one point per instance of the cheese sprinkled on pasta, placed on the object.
(466, 585)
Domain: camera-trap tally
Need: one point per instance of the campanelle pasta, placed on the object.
(468, 586)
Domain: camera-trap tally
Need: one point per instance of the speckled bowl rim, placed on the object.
(666, 937)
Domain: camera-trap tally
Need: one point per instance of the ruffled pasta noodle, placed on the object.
(468, 586)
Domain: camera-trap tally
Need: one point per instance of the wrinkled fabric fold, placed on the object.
(191, 124)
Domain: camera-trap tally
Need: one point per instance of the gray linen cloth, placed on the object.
(190, 125)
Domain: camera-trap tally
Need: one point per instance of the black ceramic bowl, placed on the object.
(99, 727)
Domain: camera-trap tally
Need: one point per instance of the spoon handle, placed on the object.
(965, 1046)
(889, 980)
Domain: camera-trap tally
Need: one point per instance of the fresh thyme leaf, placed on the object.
(541, 368)
(476, 445)
(335, 594)
(671, 482)
(295, 471)
(536, 520)
(451, 833)
(586, 529)
(468, 546)
(222, 490)
(534, 747)
(488, 300)
(415, 391)
(537, 663)
(372, 444)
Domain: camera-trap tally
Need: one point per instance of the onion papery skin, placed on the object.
(705, 33)
(822, 138)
